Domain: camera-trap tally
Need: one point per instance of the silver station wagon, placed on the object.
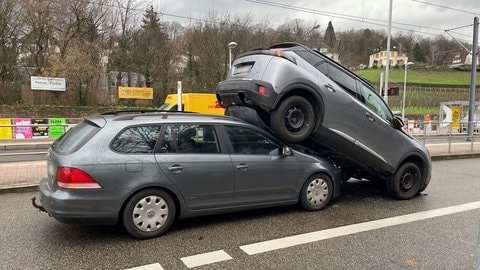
(144, 170)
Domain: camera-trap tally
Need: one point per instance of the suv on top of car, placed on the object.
(308, 99)
(143, 170)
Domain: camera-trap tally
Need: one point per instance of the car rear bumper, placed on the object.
(245, 92)
(92, 207)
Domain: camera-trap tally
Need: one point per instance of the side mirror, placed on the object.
(286, 151)
(398, 122)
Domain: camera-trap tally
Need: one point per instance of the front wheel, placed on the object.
(406, 182)
(293, 120)
(149, 214)
(317, 192)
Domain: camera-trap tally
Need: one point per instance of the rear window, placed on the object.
(75, 138)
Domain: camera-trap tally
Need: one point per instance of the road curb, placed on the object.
(449, 156)
(20, 188)
(30, 146)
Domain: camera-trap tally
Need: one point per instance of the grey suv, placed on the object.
(307, 99)
(145, 169)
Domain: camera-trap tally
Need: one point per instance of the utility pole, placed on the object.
(387, 66)
(473, 80)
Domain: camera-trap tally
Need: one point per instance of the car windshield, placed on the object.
(75, 138)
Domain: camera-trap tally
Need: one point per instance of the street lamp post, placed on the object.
(313, 29)
(405, 88)
(232, 45)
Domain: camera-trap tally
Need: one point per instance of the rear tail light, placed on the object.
(262, 90)
(73, 178)
(281, 53)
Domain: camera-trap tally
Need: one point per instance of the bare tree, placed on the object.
(10, 26)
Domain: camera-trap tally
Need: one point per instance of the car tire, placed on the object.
(293, 120)
(148, 214)
(406, 182)
(316, 192)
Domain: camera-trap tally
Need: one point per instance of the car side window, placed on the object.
(247, 141)
(311, 58)
(344, 80)
(136, 140)
(190, 139)
(322, 67)
(374, 102)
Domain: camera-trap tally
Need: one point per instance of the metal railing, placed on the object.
(451, 132)
(31, 129)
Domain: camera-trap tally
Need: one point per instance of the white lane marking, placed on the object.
(305, 238)
(153, 266)
(206, 258)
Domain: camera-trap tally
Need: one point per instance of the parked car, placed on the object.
(143, 170)
(308, 99)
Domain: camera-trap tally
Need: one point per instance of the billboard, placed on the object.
(56, 127)
(39, 127)
(5, 128)
(47, 83)
(23, 128)
(135, 92)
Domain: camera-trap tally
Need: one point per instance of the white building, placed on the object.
(379, 59)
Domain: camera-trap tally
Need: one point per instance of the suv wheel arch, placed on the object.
(308, 92)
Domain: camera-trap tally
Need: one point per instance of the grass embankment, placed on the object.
(418, 102)
(427, 78)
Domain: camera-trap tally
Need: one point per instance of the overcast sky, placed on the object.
(404, 12)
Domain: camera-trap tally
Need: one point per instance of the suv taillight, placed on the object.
(73, 178)
(280, 53)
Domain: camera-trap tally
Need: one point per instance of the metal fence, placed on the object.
(32, 131)
(435, 132)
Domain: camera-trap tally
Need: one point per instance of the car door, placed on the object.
(378, 143)
(262, 173)
(191, 156)
(342, 119)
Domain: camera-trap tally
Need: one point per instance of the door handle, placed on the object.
(330, 87)
(175, 168)
(241, 166)
(369, 117)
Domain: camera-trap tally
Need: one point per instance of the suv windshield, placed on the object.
(75, 138)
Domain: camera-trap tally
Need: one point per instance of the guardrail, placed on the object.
(422, 131)
(454, 131)
(35, 128)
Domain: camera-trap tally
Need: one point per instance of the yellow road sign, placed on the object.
(135, 92)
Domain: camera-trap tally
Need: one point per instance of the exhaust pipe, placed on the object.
(39, 207)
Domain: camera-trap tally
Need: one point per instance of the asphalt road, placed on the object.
(32, 240)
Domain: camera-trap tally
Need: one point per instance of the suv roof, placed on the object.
(293, 46)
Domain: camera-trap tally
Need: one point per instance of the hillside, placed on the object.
(421, 77)
(426, 88)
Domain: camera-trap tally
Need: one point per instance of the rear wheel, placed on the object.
(149, 214)
(317, 192)
(293, 120)
(406, 182)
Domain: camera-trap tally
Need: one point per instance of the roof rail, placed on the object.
(141, 111)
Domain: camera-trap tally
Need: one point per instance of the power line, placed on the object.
(446, 7)
(352, 18)
(309, 10)
(191, 18)
(285, 6)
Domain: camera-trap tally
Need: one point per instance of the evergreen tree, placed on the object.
(330, 38)
(418, 53)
